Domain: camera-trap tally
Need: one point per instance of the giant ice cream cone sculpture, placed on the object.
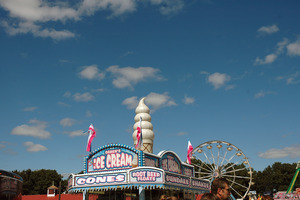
(146, 126)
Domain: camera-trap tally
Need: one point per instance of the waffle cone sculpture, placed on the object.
(147, 129)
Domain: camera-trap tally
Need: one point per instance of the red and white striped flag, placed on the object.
(189, 152)
(92, 134)
(139, 135)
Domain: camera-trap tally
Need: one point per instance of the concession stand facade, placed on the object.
(118, 171)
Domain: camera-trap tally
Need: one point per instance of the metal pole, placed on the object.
(83, 195)
(59, 190)
(141, 193)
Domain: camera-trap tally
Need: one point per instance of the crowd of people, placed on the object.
(220, 190)
(165, 197)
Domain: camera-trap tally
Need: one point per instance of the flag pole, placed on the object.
(139, 135)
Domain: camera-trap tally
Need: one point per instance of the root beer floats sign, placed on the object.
(118, 165)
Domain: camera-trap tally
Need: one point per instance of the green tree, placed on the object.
(275, 178)
(37, 182)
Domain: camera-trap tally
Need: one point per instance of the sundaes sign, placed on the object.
(177, 179)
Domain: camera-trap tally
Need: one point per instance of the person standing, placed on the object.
(220, 187)
(163, 197)
(209, 196)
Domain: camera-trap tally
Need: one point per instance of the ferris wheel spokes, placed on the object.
(240, 195)
(213, 158)
(203, 167)
(207, 159)
(222, 159)
(235, 170)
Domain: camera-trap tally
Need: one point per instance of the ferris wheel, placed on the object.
(216, 159)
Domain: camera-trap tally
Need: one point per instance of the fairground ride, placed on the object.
(292, 184)
(216, 159)
(11, 185)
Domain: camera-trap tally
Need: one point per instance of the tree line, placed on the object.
(272, 179)
(275, 178)
(37, 182)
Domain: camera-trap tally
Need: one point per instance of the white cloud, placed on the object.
(268, 59)
(75, 133)
(80, 97)
(131, 102)
(88, 114)
(158, 101)
(36, 30)
(98, 90)
(2, 146)
(155, 100)
(67, 94)
(63, 104)
(182, 133)
(127, 77)
(188, 100)
(294, 48)
(67, 122)
(31, 147)
(31, 16)
(25, 15)
(281, 45)
(38, 10)
(204, 73)
(218, 80)
(28, 109)
(229, 87)
(10, 152)
(84, 97)
(91, 72)
(292, 152)
(293, 79)
(35, 129)
(127, 54)
(262, 94)
(290, 79)
(168, 7)
(268, 29)
(117, 7)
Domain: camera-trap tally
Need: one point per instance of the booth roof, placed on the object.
(56, 197)
(136, 186)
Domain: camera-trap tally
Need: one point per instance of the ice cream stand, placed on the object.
(119, 171)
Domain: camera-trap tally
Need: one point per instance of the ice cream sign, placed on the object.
(112, 159)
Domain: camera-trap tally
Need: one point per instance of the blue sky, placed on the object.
(209, 69)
